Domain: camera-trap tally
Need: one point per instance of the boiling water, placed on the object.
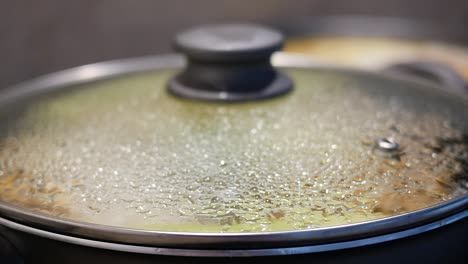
(122, 152)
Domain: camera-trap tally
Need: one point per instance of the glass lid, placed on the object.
(341, 148)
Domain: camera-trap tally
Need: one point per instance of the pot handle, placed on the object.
(432, 71)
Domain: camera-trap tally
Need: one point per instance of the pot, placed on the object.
(65, 149)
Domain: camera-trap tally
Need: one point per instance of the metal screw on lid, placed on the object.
(229, 63)
(388, 144)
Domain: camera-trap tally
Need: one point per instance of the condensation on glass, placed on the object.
(123, 152)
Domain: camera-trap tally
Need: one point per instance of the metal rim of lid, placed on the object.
(194, 252)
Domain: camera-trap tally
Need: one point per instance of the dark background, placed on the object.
(38, 37)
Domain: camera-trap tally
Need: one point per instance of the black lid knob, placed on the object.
(229, 42)
(229, 63)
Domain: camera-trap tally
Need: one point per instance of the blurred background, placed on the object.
(38, 37)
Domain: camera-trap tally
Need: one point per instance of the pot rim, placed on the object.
(434, 216)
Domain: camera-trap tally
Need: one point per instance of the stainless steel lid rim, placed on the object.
(90, 73)
(236, 252)
(385, 226)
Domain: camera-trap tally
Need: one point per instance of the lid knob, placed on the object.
(229, 63)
